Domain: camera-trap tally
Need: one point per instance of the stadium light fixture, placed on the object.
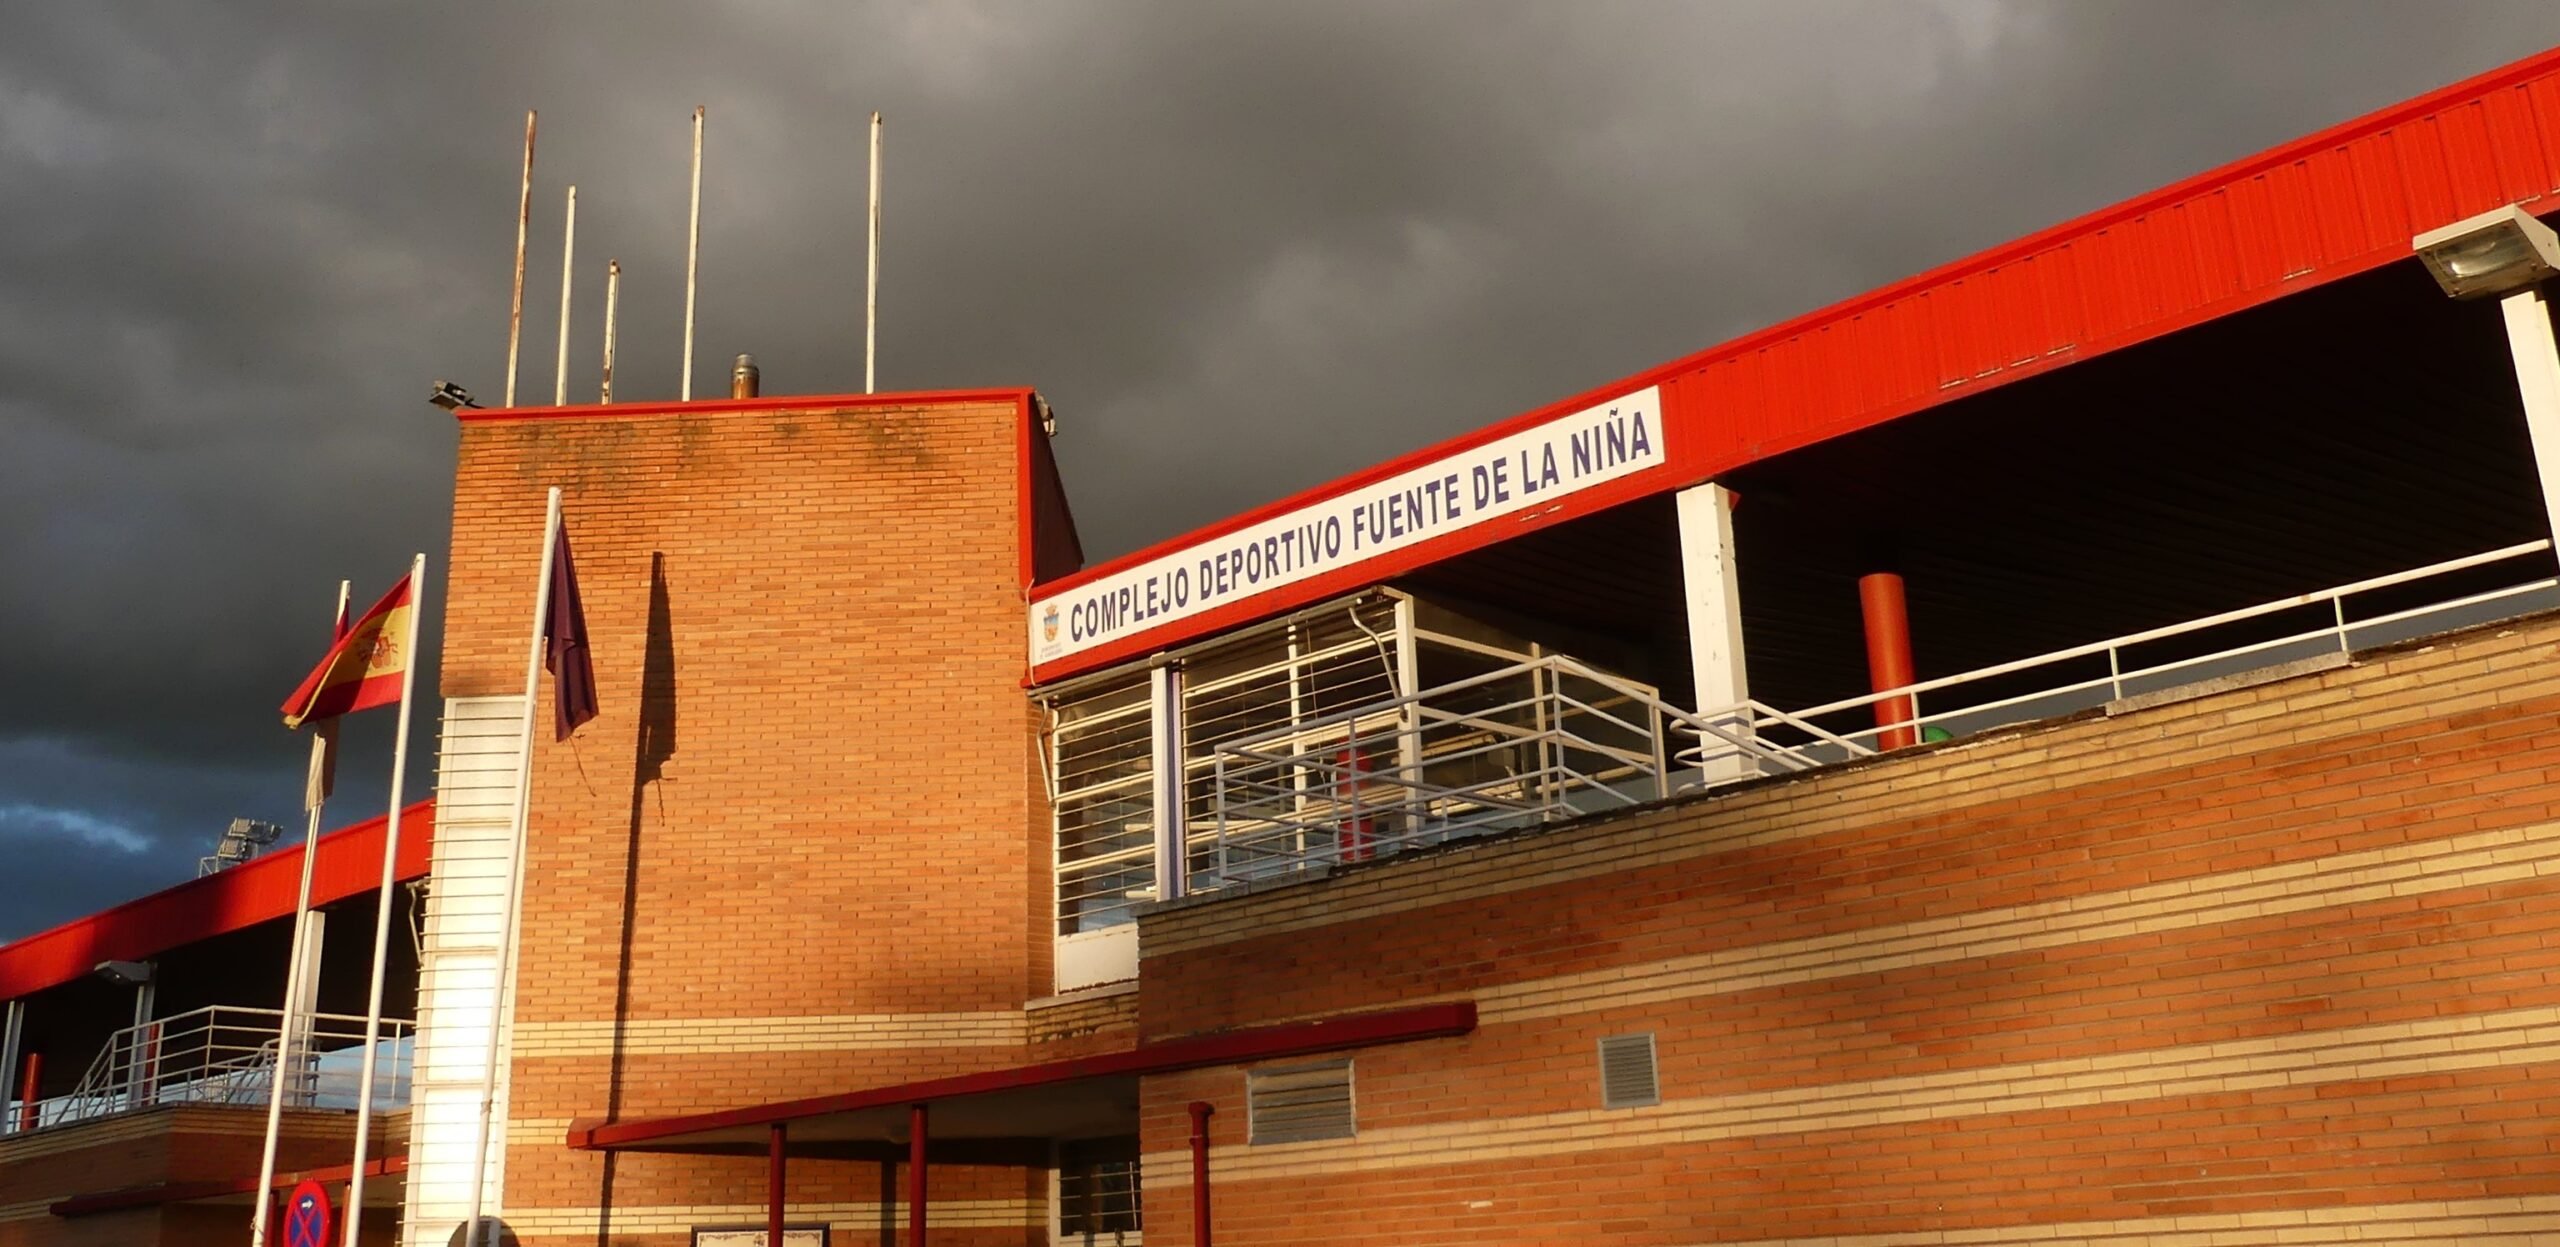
(2497, 252)
(451, 397)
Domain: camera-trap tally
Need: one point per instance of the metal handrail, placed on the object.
(2340, 629)
(1534, 741)
(226, 1054)
(1445, 762)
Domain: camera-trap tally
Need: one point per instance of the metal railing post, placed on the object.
(1218, 785)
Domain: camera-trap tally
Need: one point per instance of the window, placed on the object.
(1102, 746)
(1299, 1103)
(1098, 1187)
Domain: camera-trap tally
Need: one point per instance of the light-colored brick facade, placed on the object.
(2271, 965)
(2264, 963)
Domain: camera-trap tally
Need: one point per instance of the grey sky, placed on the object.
(1242, 248)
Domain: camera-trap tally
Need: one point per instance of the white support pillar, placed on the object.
(2537, 363)
(12, 1036)
(1712, 587)
(1172, 844)
(296, 1060)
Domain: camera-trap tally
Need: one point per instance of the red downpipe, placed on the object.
(1200, 1110)
(1888, 618)
(27, 1091)
(915, 1176)
(773, 1187)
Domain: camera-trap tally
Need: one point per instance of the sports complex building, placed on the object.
(2061, 749)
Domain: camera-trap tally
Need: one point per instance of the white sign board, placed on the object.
(1531, 468)
(792, 1236)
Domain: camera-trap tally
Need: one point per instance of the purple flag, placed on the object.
(564, 652)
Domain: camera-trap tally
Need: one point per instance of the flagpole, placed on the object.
(505, 973)
(382, 898)
(293, 984)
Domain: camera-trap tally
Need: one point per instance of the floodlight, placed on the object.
(2497, 252)
(451, 397)
(128, 973)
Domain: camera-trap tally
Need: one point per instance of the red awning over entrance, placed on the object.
(1022, 1102)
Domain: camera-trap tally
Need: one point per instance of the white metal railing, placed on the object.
(2126, 674)
(226, 1054)
(1536, 741)
(1553, 738)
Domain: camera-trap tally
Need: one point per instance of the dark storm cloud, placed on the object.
(1242, 248)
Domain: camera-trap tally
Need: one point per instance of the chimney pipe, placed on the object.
(744, 379)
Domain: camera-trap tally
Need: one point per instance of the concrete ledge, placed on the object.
(2251, 678)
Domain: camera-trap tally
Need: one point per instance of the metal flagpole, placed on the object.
(505, 973)
(524, 217)
(293, 984)
(382, 898)
(692, 253)
(612, 299)
(568, 267)
(871, 294)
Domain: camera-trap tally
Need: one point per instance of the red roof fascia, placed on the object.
(199, 909)
(2327, 206)
(765, 402)
(180, 1192)
(1260, 1043)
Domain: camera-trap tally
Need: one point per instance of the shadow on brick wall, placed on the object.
(656, 744)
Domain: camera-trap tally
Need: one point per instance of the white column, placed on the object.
(295, 1062)
(2538, 378)
(1711, 584)
(462, 977)
(12, 1032)
(1172, 851)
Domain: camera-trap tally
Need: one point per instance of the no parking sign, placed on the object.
(306, 1216)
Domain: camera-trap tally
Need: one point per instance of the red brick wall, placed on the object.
(2283, 956)
(165, 1145)
(827, 861)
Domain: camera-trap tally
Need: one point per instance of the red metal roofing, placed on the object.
(2320, 208)
(350, 863)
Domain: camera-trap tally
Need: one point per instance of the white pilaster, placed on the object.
(1711, 584)
(477, 770)
(1172, 851)
(2537, 363)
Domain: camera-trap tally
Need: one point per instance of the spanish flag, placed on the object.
(363, 669)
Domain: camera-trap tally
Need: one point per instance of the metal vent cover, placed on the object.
(1299, 1103)
(1627, 1077)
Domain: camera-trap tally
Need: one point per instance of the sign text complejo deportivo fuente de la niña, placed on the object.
(1530, 468)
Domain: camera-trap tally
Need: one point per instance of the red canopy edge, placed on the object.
(1260, 1043)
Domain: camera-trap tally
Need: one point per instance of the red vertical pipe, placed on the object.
(773, 1186)
(915, 1176)
(27, 1091)
(1200, 1110)
(1888, 618)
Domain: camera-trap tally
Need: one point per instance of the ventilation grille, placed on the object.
(1626, 1072)
(1298, 1103)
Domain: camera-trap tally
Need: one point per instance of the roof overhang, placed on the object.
(1005, 1108)
(260, 890)
(2325, 207)
(233, 1190)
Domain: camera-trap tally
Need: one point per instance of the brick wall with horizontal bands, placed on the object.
(1084, 1026)
(789, 857)
(2274, 964)
(171, 1144)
